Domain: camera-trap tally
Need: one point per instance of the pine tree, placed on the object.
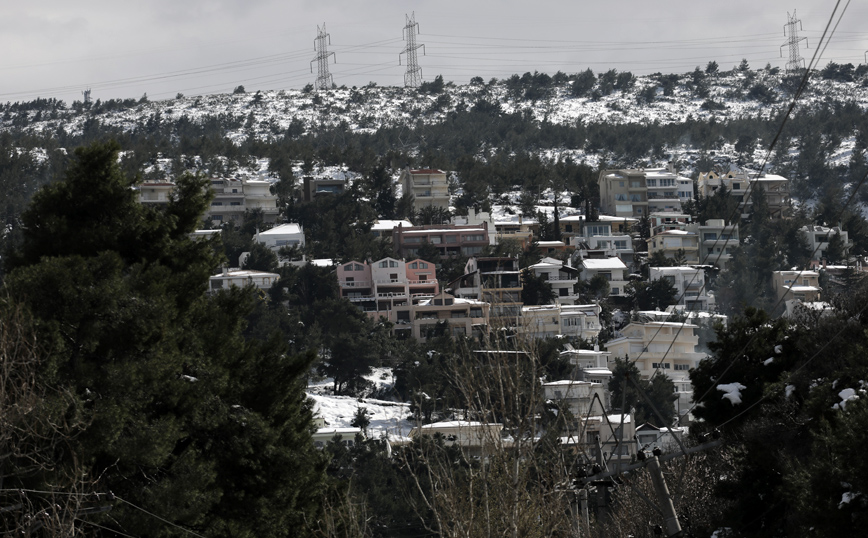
(186, 417)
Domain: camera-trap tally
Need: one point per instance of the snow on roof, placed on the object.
(567, 382)
(608, 263)
(427, 171)
(240, 273)
(446, 230)
(459, 424)
(383, 224)
(288, 228)
(323, 262)
(798, 289)
(585, 352)
(551, 243)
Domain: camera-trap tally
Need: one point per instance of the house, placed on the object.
(316, 186)
(451, 240)
(387, 287)
(428, 187)
(561, 277)
(285, 235)
(578, 398)
(516, 228)
(446, 314)
(662, 221)
(494, 280)
(540, 321)
(717, 241)
(615, 434)
(612, 269)
(649, 437)
(689, 283)
(589, 365)
(672, 243)
(604, 237)
(581, 321)
(476, 439)
(325, 435)
(241, 278)
(658, 347)
(156, 192)
(818, 238)
(801, 285)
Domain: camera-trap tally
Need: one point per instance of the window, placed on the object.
(651, 182)
(661, 365)
(635, 184)
(383, 264)
(451, 238)
(412, 240)
(475, 237)
(216, 203)
(621, 244)
(620, 197)
(736, 186)
(568, 228)
(435, 239)
(615, 291)
(422, 265)
(682, 367)
(635, 197)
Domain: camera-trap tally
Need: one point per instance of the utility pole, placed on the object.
(673, 527)
(586, 523)
(796, 61)
(320, 45)
(413, 76)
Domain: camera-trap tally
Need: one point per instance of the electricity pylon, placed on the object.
(320, 45)
(413, 76)
(796, 61)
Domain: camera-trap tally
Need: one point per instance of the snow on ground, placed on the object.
(388, 419)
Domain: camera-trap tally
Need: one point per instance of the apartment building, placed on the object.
(666, 189)
(429, 187)
(638, 192)
(450, 239)
(689, 284)
(612, 269)
(623, 193)
(658, 347)
(717, 240)
(741, 184)
(516, 228)
(233, 197)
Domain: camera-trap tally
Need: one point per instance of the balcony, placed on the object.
(354, 283)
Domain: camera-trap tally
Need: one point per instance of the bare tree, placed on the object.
(37, 495)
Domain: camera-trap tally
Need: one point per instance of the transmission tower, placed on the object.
(320, 45)
(796, 61)
(86, 94)
(413, 76)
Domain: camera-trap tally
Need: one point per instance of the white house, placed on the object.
(612, 269)
(689, 284)
(285, 235)
(241, 278)
(562, 278)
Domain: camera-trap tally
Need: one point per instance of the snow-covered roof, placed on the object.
(323, 262)
(607, 263)
(551, 243)
(446, 230)
(802, 288)
(459, 424)
(382, 225)
(288, 228)
(241, 273)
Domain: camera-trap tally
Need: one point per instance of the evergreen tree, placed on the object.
(186, 417)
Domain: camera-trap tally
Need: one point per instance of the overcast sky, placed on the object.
(123, 49)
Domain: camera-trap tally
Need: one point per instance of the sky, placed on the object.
(124, 49)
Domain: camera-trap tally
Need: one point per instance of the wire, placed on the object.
(155, 516)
